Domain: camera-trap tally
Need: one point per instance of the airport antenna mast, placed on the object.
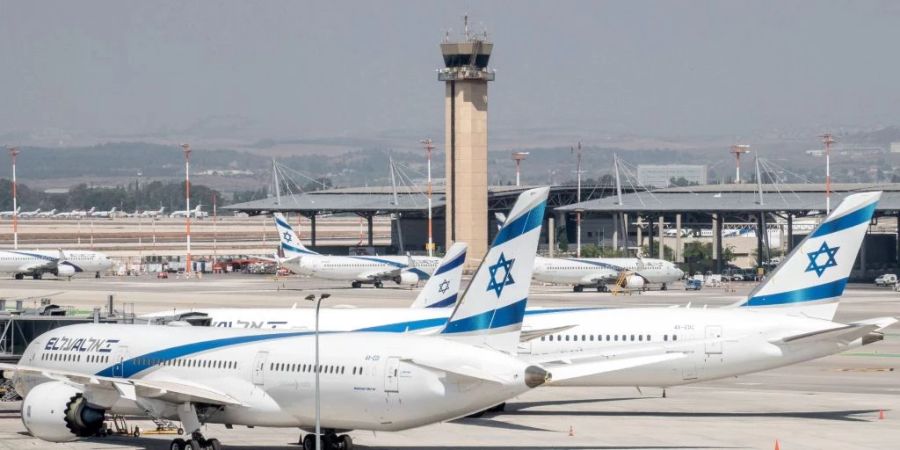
(187, 204)
(737, 150)
(13, 152)
(827, 139)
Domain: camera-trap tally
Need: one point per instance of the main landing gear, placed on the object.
(330, 441)
(356, 285)
(578, 288)
(196, 442)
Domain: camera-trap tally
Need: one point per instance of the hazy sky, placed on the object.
(305, 69)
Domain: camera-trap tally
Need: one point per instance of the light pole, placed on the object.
(317, 370)
(13, 152)
(187, 204)
(827, 139)
(518, 157)
(428, 148)
(577, 151)
(737, 150)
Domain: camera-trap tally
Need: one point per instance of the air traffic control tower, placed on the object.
(466, 76)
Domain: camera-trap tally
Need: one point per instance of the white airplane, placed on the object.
(29, 214)
(11, 213)
(194, 213)
(61, 264)
(72, 376)
(104, 214)
(151, 214)
(76, 214)
(598, 272)
(46, 214)
(438, 296)
(786, 320)
(403, 270)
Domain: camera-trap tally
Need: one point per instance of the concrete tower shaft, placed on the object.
(465, 101)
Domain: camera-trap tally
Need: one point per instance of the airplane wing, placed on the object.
(383, 274)
(601, 276)
(131, 388)
(39, 265)
(530, 335)
(561, 372)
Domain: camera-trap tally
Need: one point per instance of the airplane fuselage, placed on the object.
(374, 381)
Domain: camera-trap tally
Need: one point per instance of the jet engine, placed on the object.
(406, 278)
(633, 281)
(58, 412)
(65, 271)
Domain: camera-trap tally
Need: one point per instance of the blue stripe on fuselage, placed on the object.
(421, 274)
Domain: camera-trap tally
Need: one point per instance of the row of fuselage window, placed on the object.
(69, 357)
(600, 338)
(308, 368)
(192, 363)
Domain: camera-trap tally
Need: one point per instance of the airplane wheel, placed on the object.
(345, 442)
(177, 444)
(356, 285)
(664, 287)
(378, 285)
(192, 444)
(309, 442)
(578, 288)
(213, 444)
(137, 432)
(36, 276)
(20, 276)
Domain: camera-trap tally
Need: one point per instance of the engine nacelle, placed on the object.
(58, 412)
(406, 278)
(634, 282)
(65, 271)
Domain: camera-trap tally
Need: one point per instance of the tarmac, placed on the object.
(831, 403)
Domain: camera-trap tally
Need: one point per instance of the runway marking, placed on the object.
(882, 355)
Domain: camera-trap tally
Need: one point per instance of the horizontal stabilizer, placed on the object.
(568, 371)
(838, 335)
(458, 370)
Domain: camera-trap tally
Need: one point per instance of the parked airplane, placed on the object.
(76, 214)
(403, 270)
(59, 263)
(598, 272)
(72, 376)
(104, 214)
(46, 214)
(11, 213)
(29, 214)
(151, 214)
(195, 213)
(786, 320)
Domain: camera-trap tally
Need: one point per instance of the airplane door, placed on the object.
(714, 340)
(119, 356)
(259, 368)
(392, 374)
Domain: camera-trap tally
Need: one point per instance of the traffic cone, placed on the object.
(881, 414)
(777, 447)
(571, 430)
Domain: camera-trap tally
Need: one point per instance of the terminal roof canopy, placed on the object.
(799, 198)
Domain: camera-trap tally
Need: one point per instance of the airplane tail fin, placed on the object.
(811, 280)
(290, 242)
(491, 309)
(442, 289)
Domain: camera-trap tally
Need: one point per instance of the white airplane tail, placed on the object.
(491, 310)
(442, 288)
(290, 242)
(811, 280)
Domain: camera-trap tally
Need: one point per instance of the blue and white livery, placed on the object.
(358, 270)
(812, 278)
(59, 263)
(442, 289)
